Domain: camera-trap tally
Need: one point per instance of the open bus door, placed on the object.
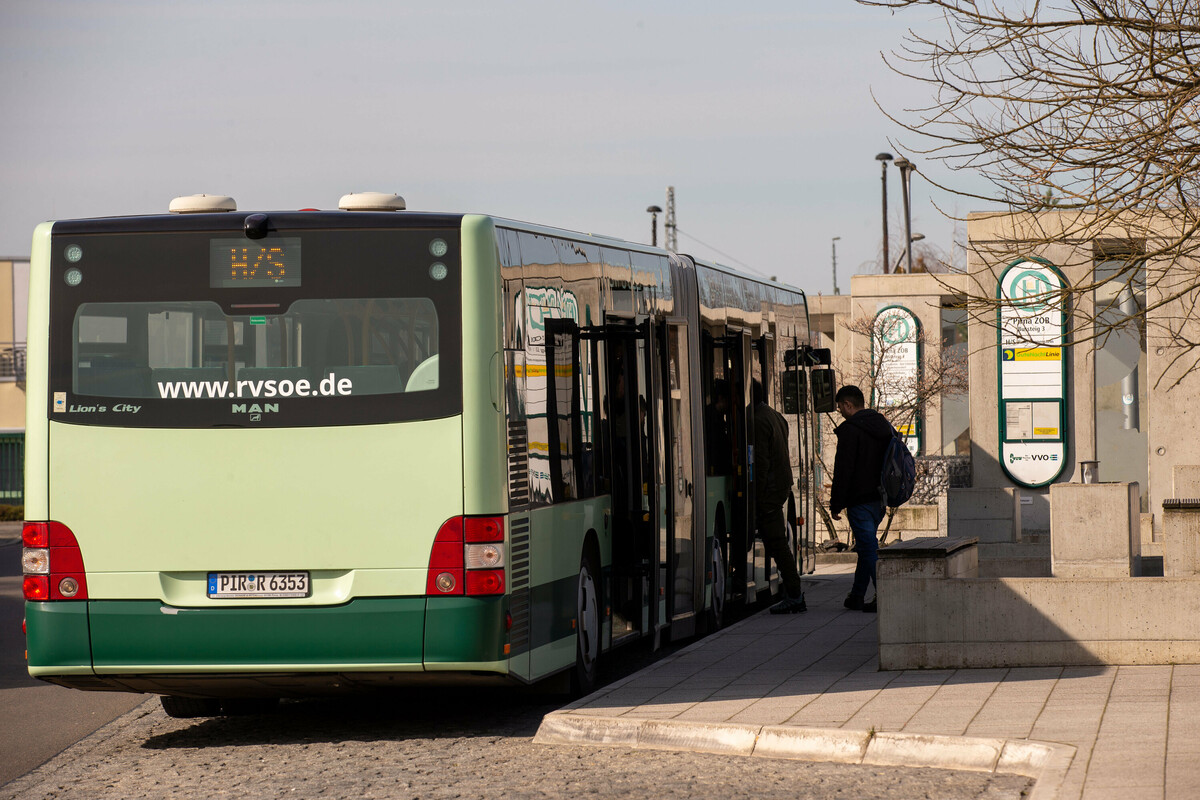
(681, 538)
(807, 368)
(741, 537)
(632, 467)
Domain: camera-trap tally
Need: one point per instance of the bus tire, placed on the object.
(188, 707)
(587, 627)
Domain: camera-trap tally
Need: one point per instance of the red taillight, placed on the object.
(35, 534)
(62, 577)
(445, 575)
(484, 529)
(36, 587)
(449, 573)
(485, 581)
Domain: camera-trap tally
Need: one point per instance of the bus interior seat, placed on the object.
(371, 379)
(105, 376)
(424, 377)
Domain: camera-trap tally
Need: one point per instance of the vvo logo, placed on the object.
(1014, 458)
(255, 410)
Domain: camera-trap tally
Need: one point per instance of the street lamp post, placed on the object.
(883, 159)
(906, 167)
(834, 244)
(916, 237)
(654, 212)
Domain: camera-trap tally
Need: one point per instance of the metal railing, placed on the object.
(12, 469)
(12, 360)
(936, 474)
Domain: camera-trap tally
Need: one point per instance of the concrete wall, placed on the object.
(931, 619)
(1174, 387)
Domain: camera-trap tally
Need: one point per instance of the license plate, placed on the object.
(223, 585)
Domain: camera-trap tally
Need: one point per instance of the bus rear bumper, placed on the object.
(146, 646)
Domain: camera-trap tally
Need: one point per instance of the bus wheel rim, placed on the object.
(589, 617)
(718, 583)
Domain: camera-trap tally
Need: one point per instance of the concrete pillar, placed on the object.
(1095, 530)
(1181, 537)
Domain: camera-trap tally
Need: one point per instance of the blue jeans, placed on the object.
(864, 523)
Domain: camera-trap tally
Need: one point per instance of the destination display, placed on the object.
(237, 263)
(1032, 373)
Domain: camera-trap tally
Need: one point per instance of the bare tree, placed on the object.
(1089, 109)
(903, 395)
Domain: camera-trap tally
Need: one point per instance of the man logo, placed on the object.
(255, 410)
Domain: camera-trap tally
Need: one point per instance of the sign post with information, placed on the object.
(896, 350)
(1032, 367)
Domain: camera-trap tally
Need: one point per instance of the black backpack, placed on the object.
(898, 478)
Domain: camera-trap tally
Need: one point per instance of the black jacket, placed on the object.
(862, 443)
(772, 461)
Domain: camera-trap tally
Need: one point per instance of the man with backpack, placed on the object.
(862, 442)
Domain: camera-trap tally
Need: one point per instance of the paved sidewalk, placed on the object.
(808, 686)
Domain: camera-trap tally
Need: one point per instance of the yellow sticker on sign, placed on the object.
(1045, 431)
(1039, 354)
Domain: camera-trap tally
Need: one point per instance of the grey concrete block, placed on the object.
(1181, 541)
(1095, 530)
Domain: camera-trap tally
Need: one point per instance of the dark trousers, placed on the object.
(864, 523)
(772, 531)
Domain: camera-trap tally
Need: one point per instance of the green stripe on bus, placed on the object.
(141, 633)
(551, 612)
(57, 636)
(465, 629)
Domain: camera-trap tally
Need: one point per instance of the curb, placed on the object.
(1047, 763)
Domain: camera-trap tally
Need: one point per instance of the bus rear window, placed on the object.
(317, 348)
(270, 356)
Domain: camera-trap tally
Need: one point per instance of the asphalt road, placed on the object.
(38, 720)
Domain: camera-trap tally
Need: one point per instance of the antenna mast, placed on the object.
(671, 243)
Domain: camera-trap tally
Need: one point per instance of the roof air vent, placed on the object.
(202, 204)
(371, 201)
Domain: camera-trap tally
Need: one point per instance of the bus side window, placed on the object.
(563, 410)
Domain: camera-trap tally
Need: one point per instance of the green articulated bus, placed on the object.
(288, 453)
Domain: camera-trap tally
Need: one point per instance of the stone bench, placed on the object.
(930, 557)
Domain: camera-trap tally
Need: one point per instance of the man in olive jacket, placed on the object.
(862, 442)
(773, 481)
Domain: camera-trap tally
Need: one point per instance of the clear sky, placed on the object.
(569, 114)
